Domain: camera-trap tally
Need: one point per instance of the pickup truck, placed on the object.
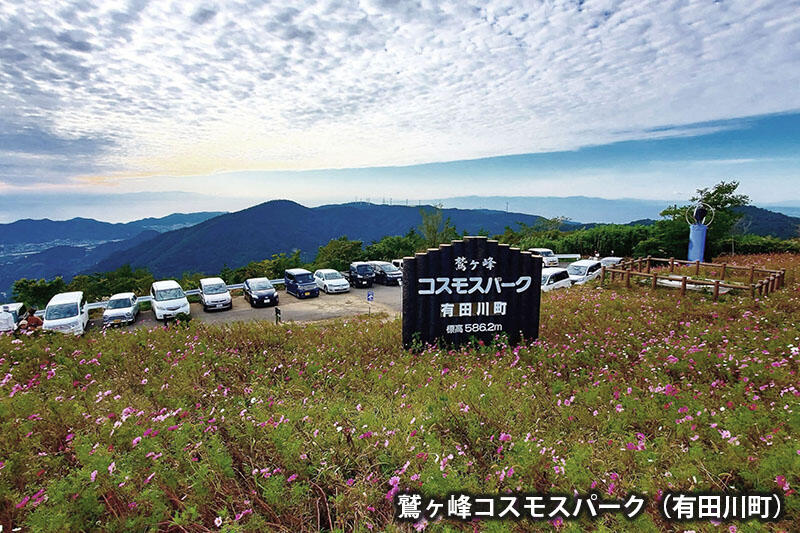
(361, 274)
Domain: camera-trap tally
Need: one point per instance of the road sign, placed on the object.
(277, 315)
(470, 288)
(370, 296)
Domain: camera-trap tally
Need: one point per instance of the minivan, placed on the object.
(549, 259)
(386, 273)
(66, 313)
(168, 299)
(555, 278)
(584, 270)
(214, 294)
(361, 274)
(300, 283)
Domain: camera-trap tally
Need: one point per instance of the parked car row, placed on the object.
(68, 312)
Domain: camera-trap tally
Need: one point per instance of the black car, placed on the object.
(361, 274)
(259, 291)
(386, 273)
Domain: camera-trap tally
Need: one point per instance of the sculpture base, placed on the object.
(697, 242)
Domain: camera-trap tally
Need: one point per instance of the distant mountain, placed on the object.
(64, 261)
(283, 226)
(28, 231)
(760, 221)
(581, 209)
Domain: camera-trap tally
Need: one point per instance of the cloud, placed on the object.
(183, 88)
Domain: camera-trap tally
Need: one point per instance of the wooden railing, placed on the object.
(762, 281)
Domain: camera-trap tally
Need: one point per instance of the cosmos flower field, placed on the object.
(302, 427)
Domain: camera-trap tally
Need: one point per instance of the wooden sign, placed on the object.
(469, 289)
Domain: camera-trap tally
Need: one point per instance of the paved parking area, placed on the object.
(387, 300)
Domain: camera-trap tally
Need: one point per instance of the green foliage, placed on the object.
(37, 292)
(338, 254)
(434, 229)
(270, 268)
(395, 247)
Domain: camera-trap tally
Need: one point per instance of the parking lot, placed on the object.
(387, 300)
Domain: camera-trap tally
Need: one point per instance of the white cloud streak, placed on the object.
(188, 88)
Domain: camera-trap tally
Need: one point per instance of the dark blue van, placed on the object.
(300, 283)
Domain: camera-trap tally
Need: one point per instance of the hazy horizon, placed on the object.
(325, 102)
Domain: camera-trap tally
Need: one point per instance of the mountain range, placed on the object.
(278, 226)
(206, 242)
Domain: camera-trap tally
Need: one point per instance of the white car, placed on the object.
(584, 270)
(66, 313)
(169, 300)
(610, 261)
(330, 281)
(16, 313)
(549, 259)
(214, 294)
(121, 308)
(555, 278)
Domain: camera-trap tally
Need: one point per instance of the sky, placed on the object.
(185, 106)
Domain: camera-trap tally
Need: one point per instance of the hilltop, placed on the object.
(284, 226)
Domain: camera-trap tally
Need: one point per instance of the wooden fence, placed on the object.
(761, 281)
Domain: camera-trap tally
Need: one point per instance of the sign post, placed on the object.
(473, 288)
(370, 298)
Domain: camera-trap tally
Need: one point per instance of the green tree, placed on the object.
(671, 236)
(435, 229)
(339, 253)
(37, 292)
(395, 247)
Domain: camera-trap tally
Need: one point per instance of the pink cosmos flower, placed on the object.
(93, 476)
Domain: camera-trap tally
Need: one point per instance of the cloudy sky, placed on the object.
(324, 101)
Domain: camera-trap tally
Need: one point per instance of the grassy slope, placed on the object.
(289, 427)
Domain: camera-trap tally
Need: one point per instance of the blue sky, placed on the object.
(325, 101)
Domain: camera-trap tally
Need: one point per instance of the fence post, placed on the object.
(648, 264)
(752, 273)
(655, 280)
(683, 286)
(724, 268)
(752, 291)
(697, 268)
(602, 275)
(783, 277)
(671, 265)
(628, 279)
(716, 290)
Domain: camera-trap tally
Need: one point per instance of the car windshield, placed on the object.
(260, 285)
(364, 270)
(216, 288)
(389, 268)
(544, 279)
(58, 311)
(332, 275)
(546, 253)
(304, 278)
(169, 294)
(119, 303)
(576, 270)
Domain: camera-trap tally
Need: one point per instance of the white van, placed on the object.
(584, 270)
(549, 259)
(555, 278)
(168, 299)
(66, 313)
(214, 294)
